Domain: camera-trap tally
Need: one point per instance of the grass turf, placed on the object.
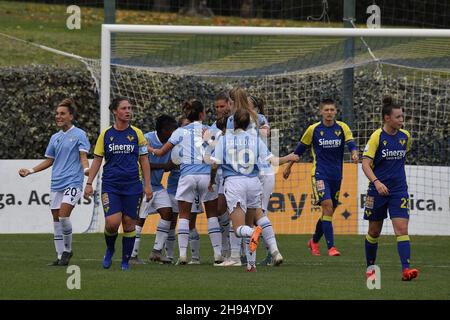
(25, 274)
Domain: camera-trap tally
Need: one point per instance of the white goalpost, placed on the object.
(107, 29)
(292, 69)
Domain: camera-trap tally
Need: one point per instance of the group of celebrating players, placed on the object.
(225, 168)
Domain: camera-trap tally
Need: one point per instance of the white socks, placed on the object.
(224, 221)
(162, 232)
(268, 234)
(66, 227)
(58, 238)
(244, 231)
(235, 244)
(215, 235)
(194, 243)
(183, 236)
(137, 242)
(170, 243)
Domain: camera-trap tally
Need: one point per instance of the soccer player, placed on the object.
(267, 178)
(125, 151)
(194, 178)
(326, 139)
(257, 121)
(384, 165)
(237, 152)
(223, 106)
(67, 153)
(172, 186)
(160, 203)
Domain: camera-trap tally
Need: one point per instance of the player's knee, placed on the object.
(327, 207)
(166, 214)
(374, 233)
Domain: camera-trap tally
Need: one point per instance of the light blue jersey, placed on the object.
(174, 176)
(156, 174)
(190, 138)
(239, 153)
(172, 181)
(64, 148)
(261, 119)
(214, 134)
(213, 126)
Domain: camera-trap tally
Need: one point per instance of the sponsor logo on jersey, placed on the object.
(121, 148)
(393, 154)
(333, 143)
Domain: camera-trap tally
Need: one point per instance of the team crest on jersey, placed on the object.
(338, 132)
(111, 138)
(130, 137)
(321, 133)
(402, 142)
(384, 142)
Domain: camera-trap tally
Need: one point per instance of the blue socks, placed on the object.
(110, 239)
(404, 250)
(371, 245)
(127, 245)
(327, 228)
(319, 231)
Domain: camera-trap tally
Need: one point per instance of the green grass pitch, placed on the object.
(25, 274)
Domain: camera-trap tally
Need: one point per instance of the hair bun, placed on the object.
(387, 100)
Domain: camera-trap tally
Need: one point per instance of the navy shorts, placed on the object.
(127, 204)
(325, 189)
(377, 206)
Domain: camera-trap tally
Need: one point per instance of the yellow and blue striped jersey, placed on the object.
(388, 153)
(327, 148)
(121, 150)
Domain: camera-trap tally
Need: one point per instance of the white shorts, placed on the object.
(243, 190)
(267, 185)
(219, 180)
(196, 205)
(212, 195)
(192, 185)
(160, 200)
(70, 195)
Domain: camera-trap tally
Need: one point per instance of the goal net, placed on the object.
(292, 69)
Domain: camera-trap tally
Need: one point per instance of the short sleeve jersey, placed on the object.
(327, 148)
(121, 150)
(64, 148)
(239, 153)
(388, 153)
(156, 174)
(192, 149)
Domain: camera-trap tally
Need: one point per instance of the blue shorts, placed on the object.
(324, 190)
(376, 206)
(127, 204)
